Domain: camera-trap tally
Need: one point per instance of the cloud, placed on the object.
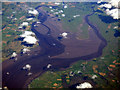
(49, 65)
(57, 3)
(30, 40)
(14, 54)
(27, 67)
(35, 12)
(29, 19)
(114, 3)
(109, 11)
(63, 15)
(25, 50)
(27, 33)
(84, 85)
(65, 6)
(106, 5)
(114, 13)
(94, 76)
(24, 24)
(64, 34)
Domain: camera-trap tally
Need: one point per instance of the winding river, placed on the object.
(19, 79)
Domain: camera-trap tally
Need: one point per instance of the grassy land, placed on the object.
(10, 31)
(79, 9)
(105, 67)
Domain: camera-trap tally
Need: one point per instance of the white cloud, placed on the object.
(109, 11)
(27, 66)
(24, 24)
(14, 54)
(106, 5)
(114, 2)
(49, 65)
(76, 16)
(38, 22)
(7, 74)
(27, 33)
(94, 76)
(29, 19)
(116, 27)
(84, 85)
(29, 74)
(25, 50)
(35, 12)
(61, 11)
(52, 10)
(30, 40)
(50, 7)
(63, 15)
(114, 13)
(57, 3)
(64, 34)
(99, 1)
(65, 6)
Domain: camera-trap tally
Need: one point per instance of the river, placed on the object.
(18, 78)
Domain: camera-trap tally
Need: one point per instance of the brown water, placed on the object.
(18, 78)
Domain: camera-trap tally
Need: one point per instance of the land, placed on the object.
(104, 67)
(14, 15)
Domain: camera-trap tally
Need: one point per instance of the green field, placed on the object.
(10, 31)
